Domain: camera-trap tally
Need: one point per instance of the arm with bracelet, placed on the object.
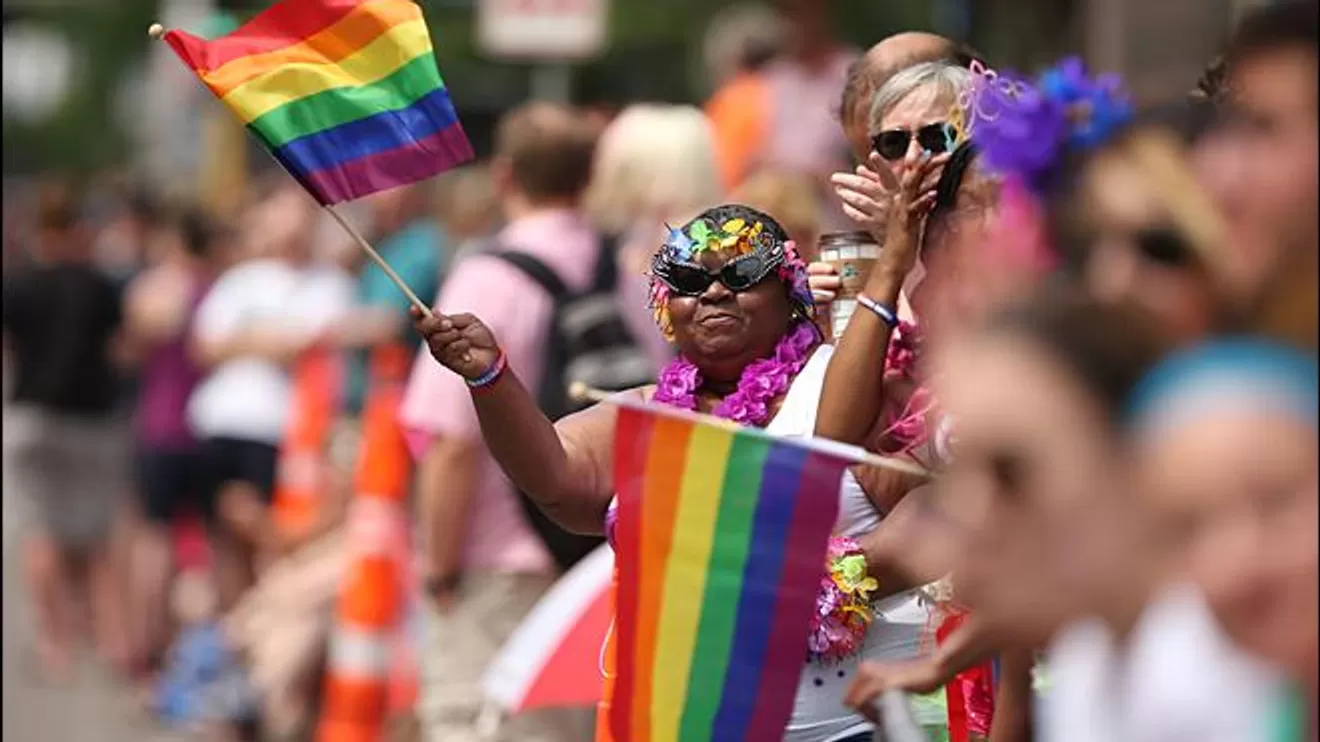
(565, 466)
(853, 395)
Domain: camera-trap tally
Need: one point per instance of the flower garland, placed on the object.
(843, 605)
(907, 431)
(760, 382)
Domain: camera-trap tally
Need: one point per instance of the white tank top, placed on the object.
(900, 620)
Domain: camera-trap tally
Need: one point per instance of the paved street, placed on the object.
(94, 707)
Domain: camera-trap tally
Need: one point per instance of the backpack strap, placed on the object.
(537, 271)
(607, 269)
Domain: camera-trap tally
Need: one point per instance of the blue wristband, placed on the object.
(885, 314)
(490, 376)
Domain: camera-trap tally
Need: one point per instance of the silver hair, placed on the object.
(946, 80)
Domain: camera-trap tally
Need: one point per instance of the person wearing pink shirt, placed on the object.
(804, 86)
(485, 565)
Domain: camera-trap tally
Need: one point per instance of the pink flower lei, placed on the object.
(907, 431)
(759, 384)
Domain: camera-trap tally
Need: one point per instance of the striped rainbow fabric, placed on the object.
(345, 93)
(720, 548)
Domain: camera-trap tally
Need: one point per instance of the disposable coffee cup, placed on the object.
(853, 255)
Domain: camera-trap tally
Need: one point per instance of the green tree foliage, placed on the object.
(653, 54)
(108, 37)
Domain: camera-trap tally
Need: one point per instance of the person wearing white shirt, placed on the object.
(257, 318)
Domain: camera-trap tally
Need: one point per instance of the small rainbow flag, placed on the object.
(720, 548)
(345, 93)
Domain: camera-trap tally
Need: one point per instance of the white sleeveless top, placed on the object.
(900, 620)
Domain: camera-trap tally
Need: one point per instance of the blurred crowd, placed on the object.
(1121, 393)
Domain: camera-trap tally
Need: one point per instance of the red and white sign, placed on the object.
(554, 659)
(549, 30)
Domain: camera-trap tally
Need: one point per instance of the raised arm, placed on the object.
(220, 333)
(853, 393)
(566, 467)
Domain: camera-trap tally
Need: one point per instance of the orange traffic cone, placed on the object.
(299, 482)
(359, 686)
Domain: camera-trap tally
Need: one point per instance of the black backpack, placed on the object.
(588, 341)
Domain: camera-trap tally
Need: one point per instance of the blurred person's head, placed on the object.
(1263, 165)
(808, 27)
(543, 157)
(60, 233)
(130, 213)
(282, 224)
(911, 111)
(393, 209)
(741, 38)
(881, 62)
(142, 206)
(1033, 491)
(1225, 440)
(471, 208)
(186, 235)
(1135, 226)
(136, 209)
(655, 163)
(790, 198)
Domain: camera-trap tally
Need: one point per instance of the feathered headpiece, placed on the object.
(1023, 130)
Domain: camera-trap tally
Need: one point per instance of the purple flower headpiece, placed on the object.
(739, 230)
(1024, 129)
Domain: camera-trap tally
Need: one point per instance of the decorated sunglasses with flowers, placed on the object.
(753, 255)
(756, 248)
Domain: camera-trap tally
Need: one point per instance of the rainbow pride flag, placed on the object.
(345, 93)
(720, 547)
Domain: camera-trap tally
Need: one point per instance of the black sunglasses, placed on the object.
(1165, 246)
(737, 275)
(934, 138)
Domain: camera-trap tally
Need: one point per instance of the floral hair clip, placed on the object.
(1025, 129)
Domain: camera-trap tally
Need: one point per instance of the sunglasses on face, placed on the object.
(1165, 246)
(737, 275)
(934, 138)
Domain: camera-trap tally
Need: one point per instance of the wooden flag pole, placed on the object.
(581, 392)
(157, 31)
(378, 260)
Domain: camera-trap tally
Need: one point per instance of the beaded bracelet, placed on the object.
(490, 376)
(885, 314)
